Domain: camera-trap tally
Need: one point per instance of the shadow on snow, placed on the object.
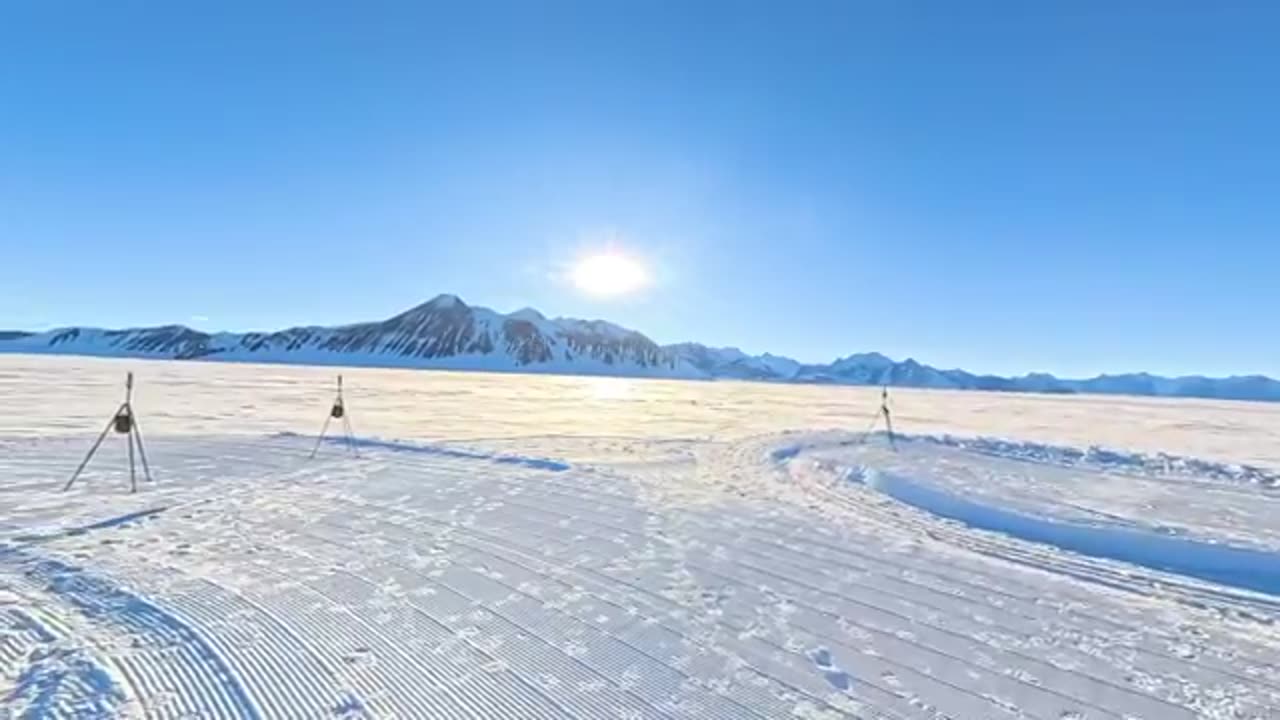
(441, 451)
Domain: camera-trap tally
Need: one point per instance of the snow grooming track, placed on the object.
(169, 660)
(1105, 570)
(1102, 572)
(423, 580)
(524, 531)
(570, 667)
(527, 591)
(51, 676)
(1161, 464)
(731, 581)
(825, 482)
(637, 590)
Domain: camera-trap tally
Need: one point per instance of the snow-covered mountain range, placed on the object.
(446, 333)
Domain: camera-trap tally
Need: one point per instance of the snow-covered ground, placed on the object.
(527, 547)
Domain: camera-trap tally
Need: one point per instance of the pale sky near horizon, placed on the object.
(1005, 187)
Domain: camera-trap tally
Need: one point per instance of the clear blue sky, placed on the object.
(1073, 187)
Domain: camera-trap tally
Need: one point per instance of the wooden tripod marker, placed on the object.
(888, 418)
(124, 422)
(337, 411)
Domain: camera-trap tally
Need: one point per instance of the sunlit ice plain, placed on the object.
(505, 545)
(49, 395)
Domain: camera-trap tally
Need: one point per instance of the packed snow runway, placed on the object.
(606, 570)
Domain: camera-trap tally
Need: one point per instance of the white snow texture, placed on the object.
(507, 546)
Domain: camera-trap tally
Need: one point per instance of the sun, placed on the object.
(609, 274)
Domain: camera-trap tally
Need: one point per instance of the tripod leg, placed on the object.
(92, 450)
(137, 434)
(888, 424)
(351, 436)
(133, 473)
(323, 430)
(867, 433)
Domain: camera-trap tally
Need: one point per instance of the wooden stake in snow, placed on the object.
(125, 422)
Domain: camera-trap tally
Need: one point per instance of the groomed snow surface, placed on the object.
(520, 547)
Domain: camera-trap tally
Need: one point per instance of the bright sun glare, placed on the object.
(609, 274)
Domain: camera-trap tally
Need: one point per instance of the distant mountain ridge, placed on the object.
(446, 333)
